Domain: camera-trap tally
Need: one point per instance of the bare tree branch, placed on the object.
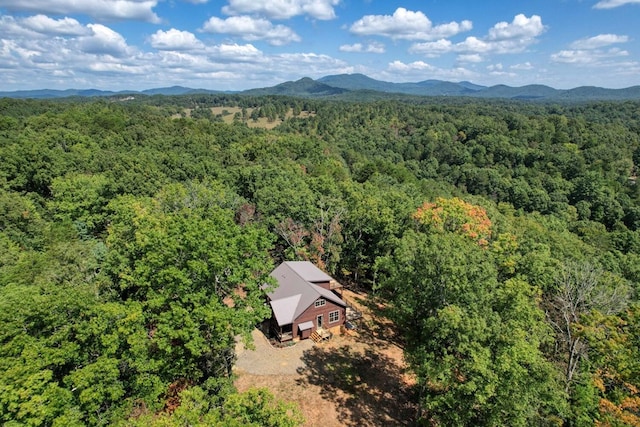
(581, 288)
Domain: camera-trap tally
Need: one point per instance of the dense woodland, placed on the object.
(134, 238)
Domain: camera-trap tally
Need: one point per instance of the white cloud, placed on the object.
(373, 47)
(520, 28)
(475, 45)
(420, 70)
(479, 46)
(432, 49)
(525, 66)
(40, 27)
(9, 28)
(593, 57)
(175, 40)
(100, 10)
(500, 73)
(470, 57)
(103, 41)
(591, 51)
(599, 41)
(61, 27)
(251, 29)
(408, 25)
(14, 54)
(313, 63)
(413, 66)
(115, 67)
(503, 38)
(235, 52)
(283, 9)
(186, 62)
(450, 29)
(356, 47)
(610, 4)
(102, 59)
(12, 28)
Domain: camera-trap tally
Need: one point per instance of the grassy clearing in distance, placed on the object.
(228, 113)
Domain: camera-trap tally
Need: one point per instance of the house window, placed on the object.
(320, 302)
(334, 316)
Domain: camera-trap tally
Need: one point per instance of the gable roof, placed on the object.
(308, 271)
(284, 309)
(296, 292)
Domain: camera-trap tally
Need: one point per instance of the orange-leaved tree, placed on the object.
(457, 216)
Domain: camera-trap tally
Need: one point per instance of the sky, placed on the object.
(242, 44)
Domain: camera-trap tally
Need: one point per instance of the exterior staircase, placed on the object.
(320, 335)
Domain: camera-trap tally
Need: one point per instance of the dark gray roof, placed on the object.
(295, 292)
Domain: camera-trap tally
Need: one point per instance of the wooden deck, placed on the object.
(320, 335)
(352, 312)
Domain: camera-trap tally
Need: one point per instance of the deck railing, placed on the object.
(282, 336)
(352, 312)
(285, 336)
(334, 284)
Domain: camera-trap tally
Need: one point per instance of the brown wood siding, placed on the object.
(311, 313)
(325, 285)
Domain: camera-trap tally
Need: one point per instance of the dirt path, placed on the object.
(352, 380)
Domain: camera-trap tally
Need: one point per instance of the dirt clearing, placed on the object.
(353, 380)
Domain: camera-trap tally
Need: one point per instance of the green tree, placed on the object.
(473, 342)
(45, 299)
(196, 273)
(376, 216)
(253, 408)
(81, 199)
(614, 343)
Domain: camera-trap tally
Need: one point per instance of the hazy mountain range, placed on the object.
(354, 86)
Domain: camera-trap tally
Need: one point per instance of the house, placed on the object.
(304, 302)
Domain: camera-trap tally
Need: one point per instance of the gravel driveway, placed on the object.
(267, 360)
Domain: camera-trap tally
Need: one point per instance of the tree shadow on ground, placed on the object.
(374, 327)
(368, 388)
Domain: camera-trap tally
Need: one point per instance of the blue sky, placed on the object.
(241, 44)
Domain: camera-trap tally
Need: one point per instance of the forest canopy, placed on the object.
(135, 237)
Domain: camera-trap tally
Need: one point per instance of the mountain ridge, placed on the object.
(353, 85)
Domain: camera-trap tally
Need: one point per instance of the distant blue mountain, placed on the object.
(304, 87)
(592, 92)
(53, 93)
(445, 88)
(360, 86)
(177, 90)
(522, 92)
(424, 88)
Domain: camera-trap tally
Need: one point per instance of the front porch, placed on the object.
(320, 335)
(282, 333)
(306, 330)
